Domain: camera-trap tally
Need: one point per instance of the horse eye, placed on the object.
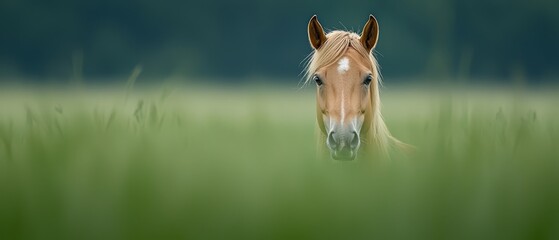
(368, 80)
(317, 80)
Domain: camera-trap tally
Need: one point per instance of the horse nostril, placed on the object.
(331, 140)
(354, 140)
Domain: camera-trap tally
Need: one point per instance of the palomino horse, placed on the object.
(347, 91)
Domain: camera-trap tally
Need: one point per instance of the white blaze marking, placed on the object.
(343, 108)
(343, 65)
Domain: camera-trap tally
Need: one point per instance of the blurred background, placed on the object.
(263, 40)
(132, 156)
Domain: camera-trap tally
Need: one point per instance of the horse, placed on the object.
(347, 80)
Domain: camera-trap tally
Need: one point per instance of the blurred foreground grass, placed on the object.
(210, 163)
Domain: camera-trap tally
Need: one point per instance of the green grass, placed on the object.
(204, 163)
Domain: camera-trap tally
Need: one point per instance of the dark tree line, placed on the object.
(263, 38)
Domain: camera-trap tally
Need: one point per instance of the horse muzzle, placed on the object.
(343, 145)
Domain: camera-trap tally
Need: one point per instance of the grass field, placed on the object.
(208, 162)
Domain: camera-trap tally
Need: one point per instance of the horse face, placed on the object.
(343, 97)
(344, 92)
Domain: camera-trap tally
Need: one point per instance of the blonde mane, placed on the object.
(336, 45)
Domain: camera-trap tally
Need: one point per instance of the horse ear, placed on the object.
(369, 36)
(316, 34)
